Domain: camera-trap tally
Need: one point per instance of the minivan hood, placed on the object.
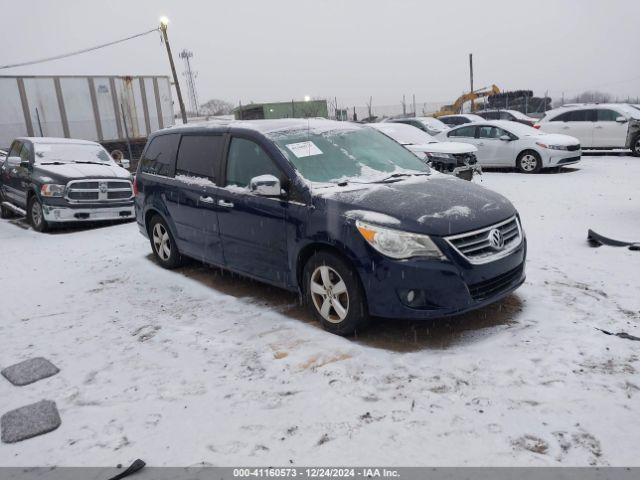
(443, 147)
(74, 171)
(436, 205)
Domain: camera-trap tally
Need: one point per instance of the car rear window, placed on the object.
(199, 155)
(159, 157)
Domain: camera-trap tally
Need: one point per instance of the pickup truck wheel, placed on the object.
(529, 162)
(163, 245)
(36, 215)
(635, 146)
(333, 292)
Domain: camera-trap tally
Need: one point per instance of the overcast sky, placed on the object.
(263, 50)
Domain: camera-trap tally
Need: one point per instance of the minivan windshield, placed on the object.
(355, 154)
(70, 153)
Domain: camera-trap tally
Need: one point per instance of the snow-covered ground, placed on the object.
(196, 365)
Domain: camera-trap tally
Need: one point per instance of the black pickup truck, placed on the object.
(58, 180)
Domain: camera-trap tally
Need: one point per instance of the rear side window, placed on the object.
(469, 132)
(199, 155)
(160, 156)
(247, 160)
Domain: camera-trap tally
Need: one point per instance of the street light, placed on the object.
(164, 22)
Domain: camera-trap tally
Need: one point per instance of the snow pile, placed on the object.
(195, 366)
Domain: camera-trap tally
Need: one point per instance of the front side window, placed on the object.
(246, 160)
(359, 155)
(198, 155)
(25, 152)
(15, 149)
(468, 132)
(488, 131)
(160, 156)
(607, 115)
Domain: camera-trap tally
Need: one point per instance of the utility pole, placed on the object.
(404, 107)
(415, 114)
(471, 79)
(164, 22)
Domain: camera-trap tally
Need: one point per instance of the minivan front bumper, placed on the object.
(422, 289)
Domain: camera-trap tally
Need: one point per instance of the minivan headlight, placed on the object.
(398, 244)
(52, 190)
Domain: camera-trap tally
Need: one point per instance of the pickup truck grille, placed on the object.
(489, 243)
(108, 190)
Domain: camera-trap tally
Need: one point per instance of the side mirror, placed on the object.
(14, 161)
(505, 138)
(125, 163)
(621, 119)
(265, 186)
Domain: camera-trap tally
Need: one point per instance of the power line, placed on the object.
(77, 52)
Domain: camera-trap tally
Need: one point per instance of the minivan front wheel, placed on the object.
(163, 245)
(334, 294)
(529, 162)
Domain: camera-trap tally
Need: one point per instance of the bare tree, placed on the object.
(216, 107)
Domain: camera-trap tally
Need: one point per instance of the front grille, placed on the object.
(573, 148)
(568, 160)
(479, 247)
(495, 286)
(108, 190)
(465, 159)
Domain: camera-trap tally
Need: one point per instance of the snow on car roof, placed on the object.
(271, 126)
(50, 140)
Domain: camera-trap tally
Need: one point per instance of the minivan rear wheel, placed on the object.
(529, 162)
(333, 291)
(163, 245)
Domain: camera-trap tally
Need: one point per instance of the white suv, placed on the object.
(597, 126)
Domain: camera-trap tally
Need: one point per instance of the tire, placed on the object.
(635, 146)
(466, 175)
(529, 162)
(4, 211)
(35, 215)
(333, 292)
(163, 244)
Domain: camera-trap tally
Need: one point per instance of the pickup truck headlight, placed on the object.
(552, 147)
(398, 244)
(52, 190)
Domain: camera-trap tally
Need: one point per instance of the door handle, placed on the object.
(598, 127)
(481, 144)
(565, 128)
(207, 199)
(225, 204)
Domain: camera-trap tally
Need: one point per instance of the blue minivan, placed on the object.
(338, 212)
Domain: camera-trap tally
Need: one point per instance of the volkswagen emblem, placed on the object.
(496, 240)
(103, 187)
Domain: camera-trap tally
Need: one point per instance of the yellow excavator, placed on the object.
(456, 107)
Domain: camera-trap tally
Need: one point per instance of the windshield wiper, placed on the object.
(52, 163)
(90, 162)
(394, 176)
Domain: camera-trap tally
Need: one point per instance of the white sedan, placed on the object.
(502, 143)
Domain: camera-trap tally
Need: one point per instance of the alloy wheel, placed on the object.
(529, 163)
(329, 294)
(161, 242)
(36, 214)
